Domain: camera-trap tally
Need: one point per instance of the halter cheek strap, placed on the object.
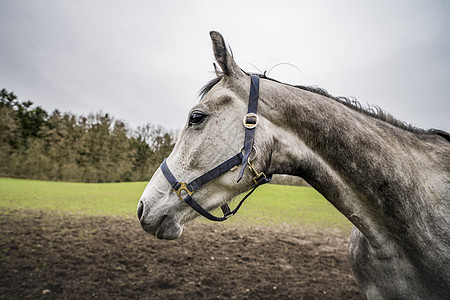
(185, 190)
(248, 122)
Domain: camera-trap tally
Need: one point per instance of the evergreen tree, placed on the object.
(63, 146)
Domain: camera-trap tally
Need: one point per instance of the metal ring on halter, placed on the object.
(249, 161)
(254, 156)
(250, 120)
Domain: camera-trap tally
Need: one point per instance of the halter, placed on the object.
(185, 190)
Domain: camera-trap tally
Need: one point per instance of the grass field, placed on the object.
(270, 205)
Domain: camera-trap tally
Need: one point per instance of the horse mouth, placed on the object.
(167, 228)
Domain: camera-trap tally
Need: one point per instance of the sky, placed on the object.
(145, 61)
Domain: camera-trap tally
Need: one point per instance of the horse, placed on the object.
(391, 180)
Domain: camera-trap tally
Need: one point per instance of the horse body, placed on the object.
(392, 184)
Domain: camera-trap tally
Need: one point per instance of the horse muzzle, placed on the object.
(161, 226)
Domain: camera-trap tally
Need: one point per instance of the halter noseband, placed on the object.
(185, 190)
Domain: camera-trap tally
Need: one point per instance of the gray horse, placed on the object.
(390, 180)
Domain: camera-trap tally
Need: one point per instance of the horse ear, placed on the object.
(223, 56)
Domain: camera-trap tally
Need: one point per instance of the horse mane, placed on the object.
(372, 111)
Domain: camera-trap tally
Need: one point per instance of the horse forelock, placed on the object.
(351, 102)
(205, 89)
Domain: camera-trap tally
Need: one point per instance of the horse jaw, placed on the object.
(157, 209)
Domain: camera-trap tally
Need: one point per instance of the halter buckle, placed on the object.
(250, 120)
(258, 176)
(183, 187)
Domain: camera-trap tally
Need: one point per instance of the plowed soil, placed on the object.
(55, 256)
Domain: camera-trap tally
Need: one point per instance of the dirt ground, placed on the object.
(52, 256)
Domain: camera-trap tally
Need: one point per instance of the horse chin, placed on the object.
(169, 229)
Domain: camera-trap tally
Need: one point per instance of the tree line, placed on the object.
(95, 148)
(63, 146)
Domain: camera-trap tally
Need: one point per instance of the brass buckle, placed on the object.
(183, 188)
(250, 120)
(259, 175)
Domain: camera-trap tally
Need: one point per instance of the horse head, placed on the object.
(213, 133)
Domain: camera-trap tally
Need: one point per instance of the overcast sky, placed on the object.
(144, 61)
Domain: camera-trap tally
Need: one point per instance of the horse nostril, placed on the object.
(140, 210)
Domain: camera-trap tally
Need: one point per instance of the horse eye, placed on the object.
(196, 118)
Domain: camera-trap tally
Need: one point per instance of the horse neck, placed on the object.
(365, 167)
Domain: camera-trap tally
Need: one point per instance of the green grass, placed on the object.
(289, 205)
(114, 199)
(270, 205)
